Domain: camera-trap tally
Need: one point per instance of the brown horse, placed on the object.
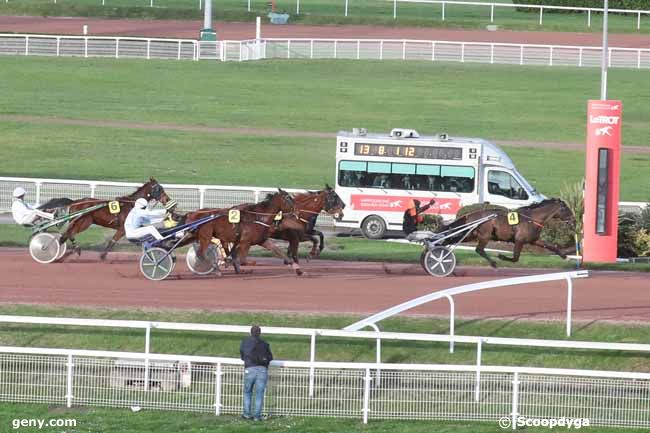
(531, 221)
(256, 223)
(105, 217)
(307, 208)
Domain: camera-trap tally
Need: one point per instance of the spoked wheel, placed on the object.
(156, 264)
(63, 248)
(45, 247)
(208, 264)
(438, 261)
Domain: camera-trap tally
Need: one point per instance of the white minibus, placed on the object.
(377, 175)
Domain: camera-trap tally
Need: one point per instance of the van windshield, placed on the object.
(417, 177)
(504, 184)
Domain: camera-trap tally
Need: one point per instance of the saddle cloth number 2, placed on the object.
(513, 218)
(233, 216)
(114, 207)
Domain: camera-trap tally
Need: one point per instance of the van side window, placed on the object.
(504, 184)
(406, 176)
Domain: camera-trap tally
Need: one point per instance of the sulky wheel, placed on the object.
(45, 247)
(439, 261)
(63, 247)
(156, 264)
(206, 266)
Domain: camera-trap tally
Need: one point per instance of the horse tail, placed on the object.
(56, 203)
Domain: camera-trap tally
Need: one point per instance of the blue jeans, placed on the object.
(254, 376)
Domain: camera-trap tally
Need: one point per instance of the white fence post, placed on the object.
(443, 11)
(638, 21)
(93, 187)
(179, 51)
(366, 396)
(26, 45)
(433, 51)
(358, 49)
(638, 59)
(491, 53)
(38, 193)
(381, 50)
(462, 52)
(580, 57)
(86, 47)
(521, 54)
(335, 49)
(68, 396)
(217, 390)
(58, 46)
(541, 13)
(117, 48)
(346, 8)
(403, 50)
(589, 18)
(492, 13)
(550, 57)
(297, 7)
(452, 314)
(148, 49)
(515, 399)
(312, 359)
(288, 48)
(311, 49)
(569, 305)
(394, 9)
(147, 347)
(477, 386)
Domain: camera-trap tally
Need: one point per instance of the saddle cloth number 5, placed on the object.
(114, 207)
(513, 218)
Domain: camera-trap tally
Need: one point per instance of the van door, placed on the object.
(502, 188)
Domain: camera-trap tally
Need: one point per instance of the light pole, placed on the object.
(605, 57)
(207, 32)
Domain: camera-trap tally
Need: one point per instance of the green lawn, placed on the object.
(490, 101)
(124, 421)
(470, 100)
(330, 12)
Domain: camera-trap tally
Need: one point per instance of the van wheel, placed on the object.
(373, 227)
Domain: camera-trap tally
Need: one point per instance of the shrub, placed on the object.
(431, 222)
(479, 206)
(558, 233)
(613, 4)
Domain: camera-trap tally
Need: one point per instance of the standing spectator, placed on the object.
(256, 354)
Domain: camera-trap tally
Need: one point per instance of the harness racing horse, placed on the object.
(527, 229)
(109, 216)
(256, 222)
(307, 208)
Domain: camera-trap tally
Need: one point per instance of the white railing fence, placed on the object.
(351, 390)
(636, 13)
(451, 51)
(345, 49)
(98, 46)
(189, 197)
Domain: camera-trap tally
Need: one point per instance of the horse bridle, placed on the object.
(156, 192)
(541, 225)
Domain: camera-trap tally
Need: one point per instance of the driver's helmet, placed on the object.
(141, 203)
(19, 191)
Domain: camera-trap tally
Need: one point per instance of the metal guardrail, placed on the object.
(359, 49)
(352, 390)
(542, 8)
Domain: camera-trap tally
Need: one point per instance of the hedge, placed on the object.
(613, 4)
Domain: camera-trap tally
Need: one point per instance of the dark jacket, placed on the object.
(410, 222)
(246, 349)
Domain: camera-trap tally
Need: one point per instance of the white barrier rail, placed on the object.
(453, 51)
(40, 190)
(98, 46)
(541, 8)
(352, 390)
(359, 49)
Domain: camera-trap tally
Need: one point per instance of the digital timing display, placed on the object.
(423, 152)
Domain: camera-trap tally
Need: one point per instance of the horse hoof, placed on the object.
(301, 273)
(77, 250)
(493, 265)
(102, 256)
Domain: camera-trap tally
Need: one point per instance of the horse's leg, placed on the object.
(119, 234)
(318, 243)
(271, 246)
(480, 250)
(77, 226)
(516, 251)
(551, 248)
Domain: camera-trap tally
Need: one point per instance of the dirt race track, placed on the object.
(330, 287)
(238, 31)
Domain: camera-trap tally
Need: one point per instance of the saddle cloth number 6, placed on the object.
(114, 207)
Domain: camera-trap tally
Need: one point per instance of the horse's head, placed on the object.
(333, 203)
(552, 208)
(154, 191)
(565, 214)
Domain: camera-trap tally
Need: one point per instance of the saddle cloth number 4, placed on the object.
(513, 218)
(114, 207)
